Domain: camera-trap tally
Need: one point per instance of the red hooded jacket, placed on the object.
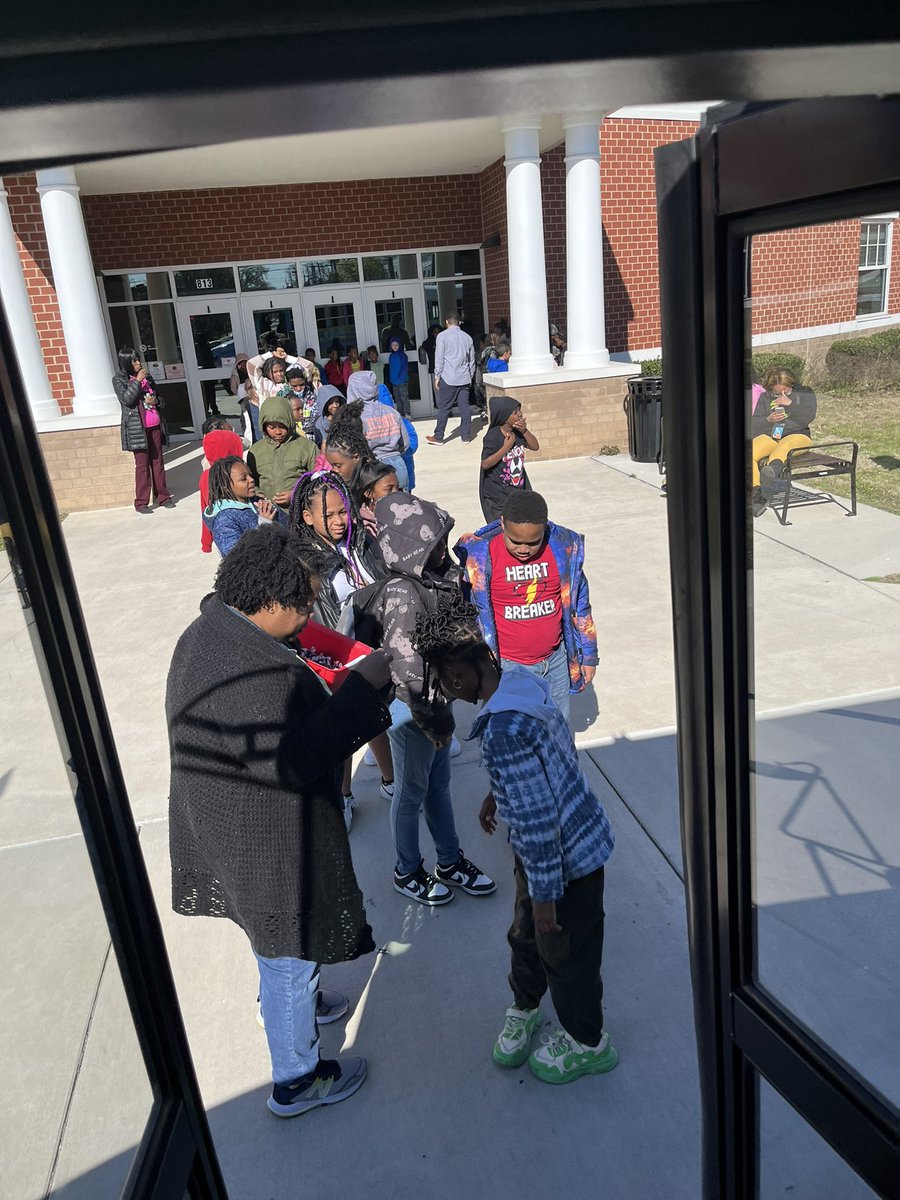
(217, 444)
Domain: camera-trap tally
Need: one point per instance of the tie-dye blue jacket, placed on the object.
(579, 633)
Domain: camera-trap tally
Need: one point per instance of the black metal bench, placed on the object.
(809, 462)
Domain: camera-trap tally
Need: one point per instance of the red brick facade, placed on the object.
(801, 279)
(25, 210)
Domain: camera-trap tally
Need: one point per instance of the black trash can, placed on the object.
(643, 408)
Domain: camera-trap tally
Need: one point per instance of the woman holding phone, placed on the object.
(781, 421)
(143, 430)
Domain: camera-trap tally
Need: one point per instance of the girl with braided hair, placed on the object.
(559, 833)
(346, 445)
(233, 503)
(324, 515)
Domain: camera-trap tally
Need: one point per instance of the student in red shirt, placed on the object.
(526, 578)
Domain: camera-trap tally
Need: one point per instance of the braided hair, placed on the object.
(313, 488)
(450, 633)
(219, 478)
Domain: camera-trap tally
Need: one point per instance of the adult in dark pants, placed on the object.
(256, 827)
(454, 370)
(143, 430)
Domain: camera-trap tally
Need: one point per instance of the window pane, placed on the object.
(825, 678)
(795, 1161)
(870, 295)
(274, 327)
(153, 285)
(151, 329)
(436, 264)
(390, 266)
(335, 326)
(76, 1095)
(213, 338)
(873, 245)
(396, 318)
(200, 281)
(260, 278)
(463, 298)
(321, 272)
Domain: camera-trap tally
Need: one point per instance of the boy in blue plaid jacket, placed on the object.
(561, 837)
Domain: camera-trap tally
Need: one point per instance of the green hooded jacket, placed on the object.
(276, 468)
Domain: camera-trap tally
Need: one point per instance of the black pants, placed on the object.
(568, 962)
(448, 395)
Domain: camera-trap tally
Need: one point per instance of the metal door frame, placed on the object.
(712, 194)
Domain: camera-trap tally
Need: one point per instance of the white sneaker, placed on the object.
(369, 758)
(386, 790)
(350, 803)
(455, 747)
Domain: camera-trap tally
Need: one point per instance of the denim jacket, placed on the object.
(579, 633)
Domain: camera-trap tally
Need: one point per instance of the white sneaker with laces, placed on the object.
(455, 747)
(350, 803)
(369, 758)
(386, 790)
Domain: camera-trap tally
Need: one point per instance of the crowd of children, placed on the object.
(331, 473)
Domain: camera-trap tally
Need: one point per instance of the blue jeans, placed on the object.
(401, 398)
(288, 989)
(421, 780)
(555, 670)
(395, 461)
(253, 413)
(449, 394)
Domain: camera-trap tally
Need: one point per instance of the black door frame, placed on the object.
(714, 191)
(176, 1155)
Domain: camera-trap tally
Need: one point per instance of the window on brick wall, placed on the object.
(874, 257)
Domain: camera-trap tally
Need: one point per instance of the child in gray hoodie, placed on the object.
(383, 428)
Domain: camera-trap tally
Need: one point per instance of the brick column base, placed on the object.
(572, 418)
(88, 468)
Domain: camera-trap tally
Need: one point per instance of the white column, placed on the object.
(528, 317)
(17, 305)
(585, 318)
(87, 344)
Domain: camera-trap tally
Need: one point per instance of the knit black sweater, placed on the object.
(256, 829)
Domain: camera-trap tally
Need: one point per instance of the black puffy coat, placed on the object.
(328, 608)
(128, 393)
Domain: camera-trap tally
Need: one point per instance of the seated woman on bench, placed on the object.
(780, 423)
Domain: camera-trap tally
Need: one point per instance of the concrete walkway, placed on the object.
(435, 1113)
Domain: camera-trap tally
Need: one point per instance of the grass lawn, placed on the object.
(874, 421)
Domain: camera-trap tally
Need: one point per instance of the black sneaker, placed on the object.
(464, 874)
(419, 885)
(332, 1080)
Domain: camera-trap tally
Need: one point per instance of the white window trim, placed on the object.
(886, 219)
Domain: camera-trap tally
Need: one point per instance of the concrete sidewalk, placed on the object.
(435, 1113)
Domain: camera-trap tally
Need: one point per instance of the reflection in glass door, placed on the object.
(272, 321)
(332, 318)
(212, 340)
(397, 313)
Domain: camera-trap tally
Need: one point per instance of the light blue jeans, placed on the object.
(395, 461)
(555, 670)
(421, 780)
(288, 991)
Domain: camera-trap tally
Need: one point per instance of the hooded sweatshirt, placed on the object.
(276, 468)
(495, 484)
(382, 425)
(399, 364)
(325, 393)
(557, 826)
(220, 443)
(412, 437)
(408, 531)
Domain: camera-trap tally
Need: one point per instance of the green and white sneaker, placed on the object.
(514, 1041)
(561, 1059)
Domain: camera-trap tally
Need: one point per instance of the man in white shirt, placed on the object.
(454, 368)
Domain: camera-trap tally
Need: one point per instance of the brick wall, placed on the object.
(152, 229)
(573, 418)
(492, 185)
(25, 211)
(88, 468)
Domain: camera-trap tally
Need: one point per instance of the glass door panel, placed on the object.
(272, 321)
(398, 312)
(153, 331)
(333, 318)
(826, 827)
(212, 338)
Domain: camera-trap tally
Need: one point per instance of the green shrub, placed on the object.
(651, 366)
(872, 361)
(767, 360)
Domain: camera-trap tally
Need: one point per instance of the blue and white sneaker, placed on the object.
(332, 1080)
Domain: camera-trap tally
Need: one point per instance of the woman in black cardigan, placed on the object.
(256, 828)
(143, 430)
